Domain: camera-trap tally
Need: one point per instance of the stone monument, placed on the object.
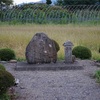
(68, 51)
(41, 49)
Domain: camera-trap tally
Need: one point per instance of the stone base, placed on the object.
(60, 65)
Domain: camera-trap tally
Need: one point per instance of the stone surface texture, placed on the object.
(68, 51)
(41, 49)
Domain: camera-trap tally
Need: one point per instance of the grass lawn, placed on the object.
(18, 36)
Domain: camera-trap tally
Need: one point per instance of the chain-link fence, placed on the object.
(42, 13)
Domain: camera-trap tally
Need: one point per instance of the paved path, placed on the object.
(57, 85)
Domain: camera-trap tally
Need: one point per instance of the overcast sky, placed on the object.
(24, 1)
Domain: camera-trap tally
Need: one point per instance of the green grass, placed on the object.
(97, 75)
(2, 67)
(4, 97)
(18, 36)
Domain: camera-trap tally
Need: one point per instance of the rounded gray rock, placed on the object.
(41, 49)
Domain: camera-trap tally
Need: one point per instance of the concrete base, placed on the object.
(60, 65)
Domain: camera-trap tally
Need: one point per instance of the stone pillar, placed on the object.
(68, 51)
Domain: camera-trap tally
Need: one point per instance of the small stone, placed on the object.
(3, 62)
(22, 87)
(45, 51)
(16, 82)
(13, 61)
(50, 45)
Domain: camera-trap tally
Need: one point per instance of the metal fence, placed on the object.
(42, 13)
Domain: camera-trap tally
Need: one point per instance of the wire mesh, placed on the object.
(42, 13)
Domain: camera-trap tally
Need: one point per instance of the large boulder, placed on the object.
(41, 49)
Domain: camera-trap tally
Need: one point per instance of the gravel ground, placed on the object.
(57, 85)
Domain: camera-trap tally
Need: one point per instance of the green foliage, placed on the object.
(48, 2)
(6, 81)
(4, 96)
(7, 2)
(7, 54)
(59, 2)
(45, 14)
(82, 52)
(36, 13)
(1, 15)
(56, 45)
(21, 59)
(97, 75)
(2, 67)
(76, 2)
(99, 49)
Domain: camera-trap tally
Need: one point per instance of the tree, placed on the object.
(48, 2)
(6, 2)
(77, 2)
(59, 2)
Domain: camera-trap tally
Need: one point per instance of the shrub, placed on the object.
(97, 75)
(82, 52)
(56, 45)
(2, 67)
(6, 81)
(99, 49)
(7, 54)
